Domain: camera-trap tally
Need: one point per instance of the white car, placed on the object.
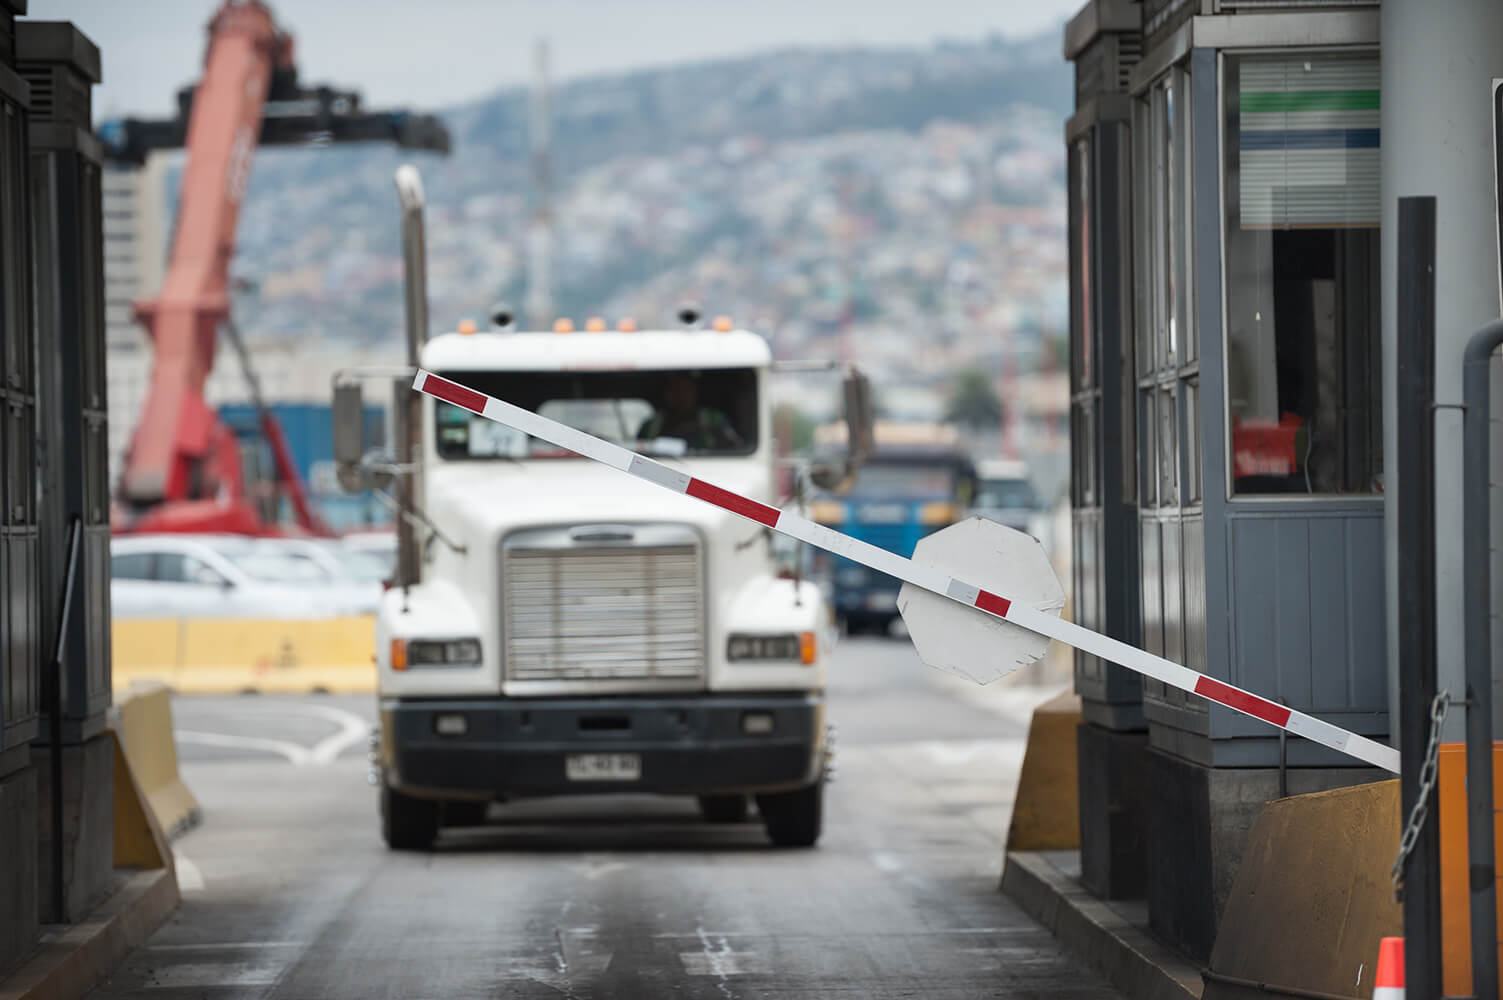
(358, 574)
(217, 576)
(380, 545)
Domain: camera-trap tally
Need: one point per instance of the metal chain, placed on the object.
(1429, 772)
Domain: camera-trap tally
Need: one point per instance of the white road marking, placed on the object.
(886, 861)
(225, 946)
(204, 974)
(293, 752)
(594, 867)
(189, 878)
(715, 958)
(353, 730)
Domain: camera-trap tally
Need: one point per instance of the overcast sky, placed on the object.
(432, 53)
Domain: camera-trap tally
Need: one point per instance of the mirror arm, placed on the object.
(417, 518)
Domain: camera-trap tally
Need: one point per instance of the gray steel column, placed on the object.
(1438, 62)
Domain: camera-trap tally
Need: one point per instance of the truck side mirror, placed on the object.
(349, 435)
(827, 475)
(859, 419)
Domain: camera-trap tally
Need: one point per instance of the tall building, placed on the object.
(136, 243)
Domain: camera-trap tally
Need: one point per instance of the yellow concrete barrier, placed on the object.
(1455, 894)
(1312, 896)
(1046, 811)
(144, 727)
(224, 656)
(140, 841)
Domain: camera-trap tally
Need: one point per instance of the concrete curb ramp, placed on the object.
(231, 655)
(78, 958)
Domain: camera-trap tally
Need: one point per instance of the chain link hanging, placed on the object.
(1429, 773)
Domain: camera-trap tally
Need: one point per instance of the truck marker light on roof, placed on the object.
(563, 326)
(627, 325)
(920, 575)
(594, 325)
(467, 326)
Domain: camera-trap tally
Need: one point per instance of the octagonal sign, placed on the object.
(963, 640)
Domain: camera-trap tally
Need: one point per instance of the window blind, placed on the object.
(1307, 136)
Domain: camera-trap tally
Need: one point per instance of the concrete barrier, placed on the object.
(1312, 897)
(225, 656)
(1455, 897)
(143, 724)
(1046, 810)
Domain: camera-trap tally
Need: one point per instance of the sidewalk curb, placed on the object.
(1091, 930)
(77, 959)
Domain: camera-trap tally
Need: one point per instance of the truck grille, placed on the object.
(603, 613)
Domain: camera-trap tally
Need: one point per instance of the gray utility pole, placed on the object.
(539, 301)
(1479, 667)
(1438, 65)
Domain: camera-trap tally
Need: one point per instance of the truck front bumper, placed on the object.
(685, 744)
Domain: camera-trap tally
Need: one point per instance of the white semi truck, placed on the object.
(556, 628)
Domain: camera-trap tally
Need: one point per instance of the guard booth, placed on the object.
(53, 457)
(1227, 422)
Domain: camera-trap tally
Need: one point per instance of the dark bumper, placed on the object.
(687, 745)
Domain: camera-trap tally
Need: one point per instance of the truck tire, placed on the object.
(408, 824)
(794, 819)
(464, 812)
(723, 808)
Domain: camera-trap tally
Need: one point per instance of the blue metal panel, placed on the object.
(1151, 582)
(1332, 634)
(1195, 593)
(1307, 590)
(1172, 568)
(1290, 598)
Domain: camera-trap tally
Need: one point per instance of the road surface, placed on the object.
(288, 891)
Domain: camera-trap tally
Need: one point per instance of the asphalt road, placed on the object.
(289, 892)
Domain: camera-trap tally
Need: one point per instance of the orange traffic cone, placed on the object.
(1390, 982)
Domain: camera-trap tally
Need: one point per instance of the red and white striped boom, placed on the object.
(927, 577)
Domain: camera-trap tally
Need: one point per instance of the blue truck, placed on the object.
(918, 479)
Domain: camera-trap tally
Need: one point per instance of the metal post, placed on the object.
(1415, 416)
(55, 713)
(1477, 607)
(407, 412)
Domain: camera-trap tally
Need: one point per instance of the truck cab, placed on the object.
(577, 631)
(917, 480)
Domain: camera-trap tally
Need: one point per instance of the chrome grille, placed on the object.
(603, 612)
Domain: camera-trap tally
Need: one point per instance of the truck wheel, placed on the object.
(463, 812)
(407, 824)
(794, 819)
(723, 808)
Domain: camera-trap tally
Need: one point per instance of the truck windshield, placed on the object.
(906, 480)
(670, 413)
(1007, 494)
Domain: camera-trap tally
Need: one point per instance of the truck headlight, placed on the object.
(793, 647)
(438, 653)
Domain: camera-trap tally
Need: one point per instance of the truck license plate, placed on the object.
(603, 767)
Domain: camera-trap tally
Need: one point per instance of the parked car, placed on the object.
(379, 544)
(361, 573)
(218, 576)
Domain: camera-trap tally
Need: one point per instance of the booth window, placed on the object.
(1304, 395)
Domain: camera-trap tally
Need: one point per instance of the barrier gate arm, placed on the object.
(926, 577)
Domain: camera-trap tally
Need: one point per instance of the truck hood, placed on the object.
(487, 499)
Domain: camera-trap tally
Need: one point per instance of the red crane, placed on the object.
(183, 469)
